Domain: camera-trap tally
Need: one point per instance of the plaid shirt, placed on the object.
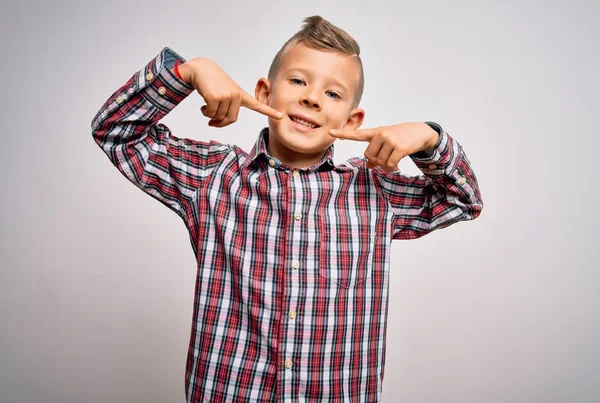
(291, 293)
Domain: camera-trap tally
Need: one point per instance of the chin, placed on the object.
(306, 143)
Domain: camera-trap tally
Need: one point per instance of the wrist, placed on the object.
(432, 139)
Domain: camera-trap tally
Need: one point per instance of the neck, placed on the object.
(291, 157)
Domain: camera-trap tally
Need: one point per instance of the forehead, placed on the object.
(321, 64)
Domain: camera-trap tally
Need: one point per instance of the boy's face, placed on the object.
(319, 85)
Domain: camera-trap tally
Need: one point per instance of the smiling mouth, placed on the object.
(303, 123)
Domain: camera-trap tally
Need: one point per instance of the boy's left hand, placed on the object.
(389, 144)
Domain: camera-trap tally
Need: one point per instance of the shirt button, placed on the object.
(298, 216)
(162, 90)
(119, 99)
(292, 314)
(149, 76)
(288, 364)
(296, 174)
(462, 180)
(272, 163)
(295, 264)
(432, 166)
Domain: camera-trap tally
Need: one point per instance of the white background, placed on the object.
(97, 278)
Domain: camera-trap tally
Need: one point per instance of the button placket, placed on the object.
(295, 266)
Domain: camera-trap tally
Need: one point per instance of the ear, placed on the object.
(355, 119)
(262, 92)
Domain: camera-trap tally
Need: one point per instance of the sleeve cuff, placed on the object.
(442, 159)
(160, 85)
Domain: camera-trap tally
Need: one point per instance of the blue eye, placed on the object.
(297, 80)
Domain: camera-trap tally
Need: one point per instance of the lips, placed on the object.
(304, 118)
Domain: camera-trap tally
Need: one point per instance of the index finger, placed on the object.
(260, 107)
(359, 135)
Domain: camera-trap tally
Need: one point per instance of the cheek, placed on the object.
(280, 103)
(337, 120)
(338, 113)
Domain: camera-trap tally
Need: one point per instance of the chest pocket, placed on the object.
(346, 253)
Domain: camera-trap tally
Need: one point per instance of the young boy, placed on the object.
(292, 249)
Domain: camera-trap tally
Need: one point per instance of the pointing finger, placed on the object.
(256, 105)
(358, 135)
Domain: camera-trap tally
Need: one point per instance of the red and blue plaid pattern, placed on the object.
(291, 294)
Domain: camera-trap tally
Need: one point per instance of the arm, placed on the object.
(447, 192)
(126, 128)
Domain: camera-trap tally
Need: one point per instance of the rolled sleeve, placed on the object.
(145, 151)
(446, 193)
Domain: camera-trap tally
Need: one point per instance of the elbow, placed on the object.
(475, 209)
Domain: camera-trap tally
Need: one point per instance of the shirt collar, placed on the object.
(259, 153)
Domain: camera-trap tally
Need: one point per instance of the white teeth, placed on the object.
(303, 122)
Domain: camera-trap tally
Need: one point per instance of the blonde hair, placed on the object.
(320, 34)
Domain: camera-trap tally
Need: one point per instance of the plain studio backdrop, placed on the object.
(97, 277)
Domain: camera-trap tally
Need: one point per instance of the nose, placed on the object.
(311, 100)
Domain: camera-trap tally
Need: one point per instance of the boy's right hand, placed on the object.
(222, 95)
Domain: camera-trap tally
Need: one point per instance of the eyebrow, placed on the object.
(307, 72)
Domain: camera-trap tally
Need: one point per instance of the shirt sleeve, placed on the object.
(126, 128)
(446, 193)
